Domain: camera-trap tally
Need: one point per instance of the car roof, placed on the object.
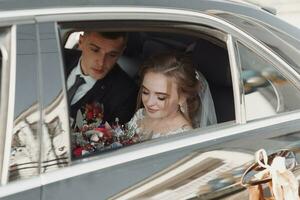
(241, 8)
(201, 5)
(31, 4)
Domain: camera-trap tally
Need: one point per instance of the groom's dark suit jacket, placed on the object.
(116, 91)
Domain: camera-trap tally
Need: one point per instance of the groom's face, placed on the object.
(99, 54)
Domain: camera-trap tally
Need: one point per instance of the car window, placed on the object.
(266, 91)
(25, 156)
(203, 51)
(55, 145)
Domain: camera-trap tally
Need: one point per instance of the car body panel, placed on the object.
(137, 170)
(119, 165)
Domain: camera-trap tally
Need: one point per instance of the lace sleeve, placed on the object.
(134, 123)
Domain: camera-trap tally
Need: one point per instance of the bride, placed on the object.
(170, 97)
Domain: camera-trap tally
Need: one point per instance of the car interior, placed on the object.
(205, 45)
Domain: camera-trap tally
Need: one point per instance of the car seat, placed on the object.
(213, 62)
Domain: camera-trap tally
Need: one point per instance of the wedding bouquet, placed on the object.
(91, 134)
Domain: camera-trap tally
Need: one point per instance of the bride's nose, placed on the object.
(151, 100)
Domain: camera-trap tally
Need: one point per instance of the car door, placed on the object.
(20, 113)
(223, 147)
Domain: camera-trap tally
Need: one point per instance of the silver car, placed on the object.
(249, 57)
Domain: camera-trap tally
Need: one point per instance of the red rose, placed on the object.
(89, 115)
(78, 151)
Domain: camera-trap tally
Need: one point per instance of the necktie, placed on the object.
(78, 82)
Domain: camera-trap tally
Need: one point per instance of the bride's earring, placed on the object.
(183, 108)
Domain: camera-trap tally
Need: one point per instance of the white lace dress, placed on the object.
(135, 124)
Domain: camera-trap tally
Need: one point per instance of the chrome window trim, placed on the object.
(237, 85)
(10, 105)
(3, 101)
(4, 93)
(64, 89)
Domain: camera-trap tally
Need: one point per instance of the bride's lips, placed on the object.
(151, 110)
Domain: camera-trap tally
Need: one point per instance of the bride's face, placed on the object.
(159, 96)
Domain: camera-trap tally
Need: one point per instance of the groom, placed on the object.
(94, 76)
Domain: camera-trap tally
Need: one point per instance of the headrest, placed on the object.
(151, 47)
(130, 65)
(213, 62)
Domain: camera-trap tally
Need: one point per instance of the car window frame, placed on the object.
(269, 56)
(105, 27)
(8, 49)
(106, 16)
(183, 16)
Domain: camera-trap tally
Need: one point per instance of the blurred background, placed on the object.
(288, 10)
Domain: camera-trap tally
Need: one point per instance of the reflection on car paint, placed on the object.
(25, 148)
(196, 175)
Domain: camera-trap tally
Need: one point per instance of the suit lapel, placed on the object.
(98, 92)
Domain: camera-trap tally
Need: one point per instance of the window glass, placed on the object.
(266, 91)
(25, 154)
(55, 145)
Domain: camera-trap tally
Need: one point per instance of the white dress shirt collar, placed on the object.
(83, 89)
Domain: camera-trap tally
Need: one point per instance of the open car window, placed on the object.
(203, 47)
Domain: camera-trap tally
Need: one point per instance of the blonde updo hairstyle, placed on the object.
(178, 67)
